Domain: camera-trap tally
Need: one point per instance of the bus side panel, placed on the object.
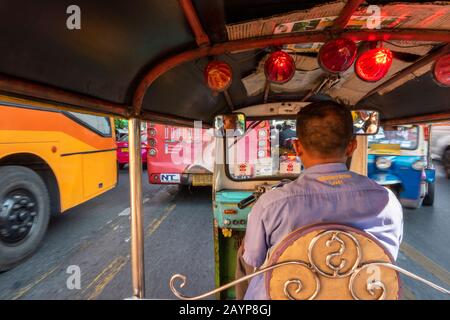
(84, 172)
(99, 172)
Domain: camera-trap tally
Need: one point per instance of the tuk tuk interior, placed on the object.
(128, 60)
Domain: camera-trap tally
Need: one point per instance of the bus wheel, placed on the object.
(429, 198)
(24, 214)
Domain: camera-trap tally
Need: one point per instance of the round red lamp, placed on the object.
(279, 67)
(441, 70)
(373, 64)
(337, 55)
(218, 75)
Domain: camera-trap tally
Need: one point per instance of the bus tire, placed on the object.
(24, 214)
(429, 198)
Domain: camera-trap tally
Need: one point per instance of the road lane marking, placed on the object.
(26, 289)
(154, 225)
(426, 263)
(108, 273)
(125, 212)
(105, 277)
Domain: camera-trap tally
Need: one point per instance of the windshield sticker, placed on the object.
(264, 169)
(242, 169)
(290, 167)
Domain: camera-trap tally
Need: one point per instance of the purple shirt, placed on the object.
(322, 193)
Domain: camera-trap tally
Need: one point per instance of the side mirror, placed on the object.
(365, 122)
(229, 125)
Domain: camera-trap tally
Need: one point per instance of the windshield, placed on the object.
(406, 137)
(265, 151)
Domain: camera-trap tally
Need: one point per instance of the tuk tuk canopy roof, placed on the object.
(145, 58)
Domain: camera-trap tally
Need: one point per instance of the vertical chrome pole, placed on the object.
(137, 221)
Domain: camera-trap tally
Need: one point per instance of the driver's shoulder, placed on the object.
(294, 192)
(362, 180)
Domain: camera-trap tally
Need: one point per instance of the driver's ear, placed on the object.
(297, 147)
(351, 147)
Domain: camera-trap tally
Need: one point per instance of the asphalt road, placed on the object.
(94, 239)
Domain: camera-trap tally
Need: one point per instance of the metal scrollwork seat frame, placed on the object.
(325, 261)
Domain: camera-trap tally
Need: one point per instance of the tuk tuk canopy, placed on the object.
(146, 58)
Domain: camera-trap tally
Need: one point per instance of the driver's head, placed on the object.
(228, 122)
(325, 133)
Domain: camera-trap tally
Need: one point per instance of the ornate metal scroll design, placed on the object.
(378, 284)
(335, 237)
(287, 285)
(296, 283)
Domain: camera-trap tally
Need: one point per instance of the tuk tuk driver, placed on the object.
(326, 191)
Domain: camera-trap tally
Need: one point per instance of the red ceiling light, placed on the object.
(373, 64)
(279, 67)
(441, 70)
(337, 55)
(218, 75)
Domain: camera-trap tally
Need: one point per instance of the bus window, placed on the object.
(101, 125)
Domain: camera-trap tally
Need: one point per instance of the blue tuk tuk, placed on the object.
(399, 159)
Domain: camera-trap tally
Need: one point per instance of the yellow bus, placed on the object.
(50, 161)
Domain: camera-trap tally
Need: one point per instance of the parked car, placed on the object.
(440, 145)
(122, 150)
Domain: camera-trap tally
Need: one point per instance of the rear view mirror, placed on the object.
(229, 125)
(365, 122)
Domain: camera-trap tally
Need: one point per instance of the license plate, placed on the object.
(124, 149)
(169, 178)
(202, 180)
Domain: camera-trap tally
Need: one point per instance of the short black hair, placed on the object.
(325, 128)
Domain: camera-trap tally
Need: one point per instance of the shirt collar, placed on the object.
(327, 168)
